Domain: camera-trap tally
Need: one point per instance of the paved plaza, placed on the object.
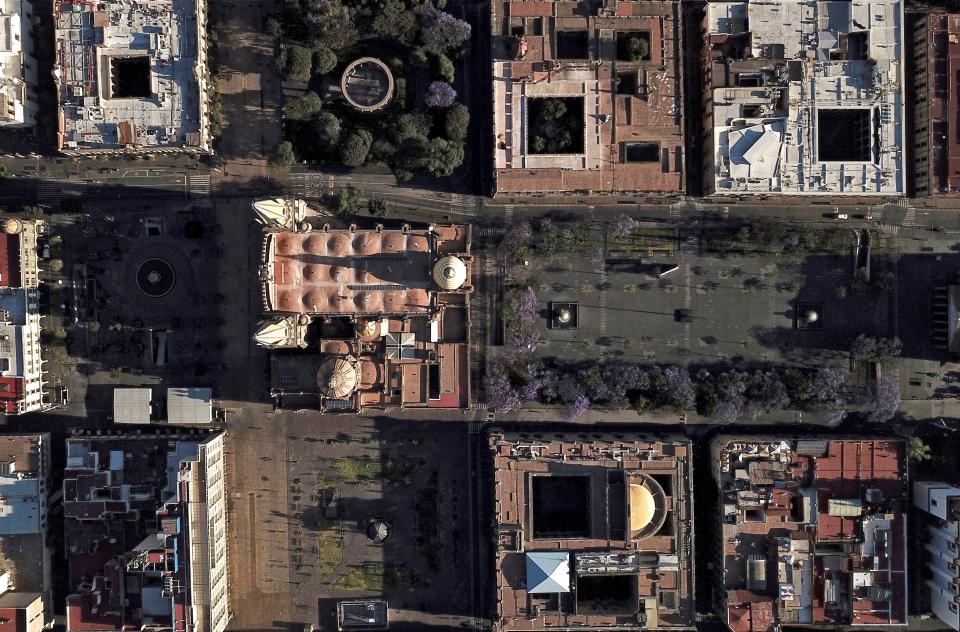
(739, 308)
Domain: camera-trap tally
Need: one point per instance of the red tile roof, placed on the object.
(9, 260)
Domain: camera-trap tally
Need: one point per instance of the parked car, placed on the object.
(841, 216)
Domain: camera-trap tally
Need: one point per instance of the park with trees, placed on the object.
(422, 130)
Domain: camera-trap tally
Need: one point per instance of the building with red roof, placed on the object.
(592, 532)
(21, 370)
(26, 581)
(935, 100)
(587, 97)
(145, 532)
(813, 531)
(364, 318)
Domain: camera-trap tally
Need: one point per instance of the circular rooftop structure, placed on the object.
(12, 226)
(647, 503)
(449, 272)
(367, 84)
(378, 530)
(338, 377)
(156, 277)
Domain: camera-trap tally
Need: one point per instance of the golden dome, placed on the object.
(338, 377)
(449, 272)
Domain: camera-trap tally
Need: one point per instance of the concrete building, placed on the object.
(941, 519)
(21, 362)
(365, 318)
(804, 97)
(935, 100)
(132, 77)
(813, 532)
(592, 532)
(18, 68)
(587, 97)
(21, 612)
(146, 532)
(26, 581)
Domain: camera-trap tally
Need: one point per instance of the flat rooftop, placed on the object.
(593, 531)
(130, 76)
(616, 75)
(805, 97)
(814, 531)
(16, 79)
(125, 528)
(937, 101)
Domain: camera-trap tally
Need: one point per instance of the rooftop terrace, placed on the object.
(131, 75)
(593, 531)
(805, 96)
(814, 532)
(616, 70)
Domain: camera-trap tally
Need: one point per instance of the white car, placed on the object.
(841, 216)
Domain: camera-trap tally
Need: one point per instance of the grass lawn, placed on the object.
(366, 577)
(373, 576)
(330, 536)
(358, 470)
(330, 545)
(641, 241)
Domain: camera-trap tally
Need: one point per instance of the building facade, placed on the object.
(935, 100)
(592, 532)
(812, 532)
(146, 532)
(587, 97)
(18, 67)
(804, 97)
(21, 362)
(26, 581)
(940, 505)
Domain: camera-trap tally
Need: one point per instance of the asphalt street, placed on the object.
(47, 181)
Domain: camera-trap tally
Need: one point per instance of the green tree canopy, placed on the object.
(331, 22)
(355, 148)
(326, 129)
(410, 125)
(639, 48)
(302, 108)
(395, 22)
(348, 199)
(457, 123)
(299, 64)
(445, 68)
(283, 155)
(324, 59)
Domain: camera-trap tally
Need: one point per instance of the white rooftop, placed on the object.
(16, 78)
(96, 43)
(192, 406)
(548, 572)
(826, 114)
(131, 405)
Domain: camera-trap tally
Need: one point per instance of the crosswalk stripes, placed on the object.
(49, 192)
(903, 202)
(309, 184)
(508, 215)
(911, 217)
(199, 184)
(491, 231)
